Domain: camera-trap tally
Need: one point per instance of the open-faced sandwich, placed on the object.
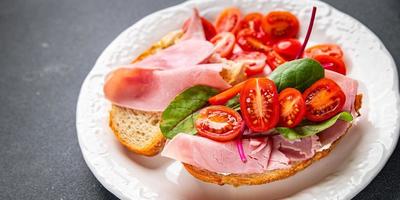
(240, 101)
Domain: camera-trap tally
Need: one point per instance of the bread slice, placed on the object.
(269, 176)
(139, 130)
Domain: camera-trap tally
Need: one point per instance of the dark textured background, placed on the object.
(46, 49)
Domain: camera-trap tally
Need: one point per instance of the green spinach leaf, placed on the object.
(312, 129)
(299, 74)
(233, 103)
(180, 115)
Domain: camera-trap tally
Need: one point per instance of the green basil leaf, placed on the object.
(180, 115)
(299, 74)
(312, 129)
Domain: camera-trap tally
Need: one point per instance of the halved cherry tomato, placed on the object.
(280, 24)
(331, 63)
(223, 97)
(259, 104)
(274, 59)
(252, 21)
(293, 107)
(224, 43)
(324, 49)
(248, 40)
(219, 123)
(228, 20)
(209, 29)
(254, 61)
(288, 48)
(324, 99)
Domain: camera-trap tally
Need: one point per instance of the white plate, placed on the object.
(349, 168)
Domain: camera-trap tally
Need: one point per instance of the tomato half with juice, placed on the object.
(254, 61)
(252, 21)
(324, 49)
(228, 20)
(274, 59)
(323, 99)
(288, 48)
(331, 63)
(292, 107)
(224, 43)
(249, 40)
(280, 24)
(219, 123)
(259, 104)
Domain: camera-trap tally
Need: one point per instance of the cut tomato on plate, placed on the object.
(288, 48)
(254, 61)
(323, 99)
(228, 20)
(252, 21)
(208, 27)
(223, 97)
(331, 63)
(249, 40)
(274, 59)
(292, 106)
(224, 43)
(324, 49)
(280, 24)
(219, 123)
(259, 104)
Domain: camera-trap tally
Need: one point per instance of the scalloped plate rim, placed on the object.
(357, 189)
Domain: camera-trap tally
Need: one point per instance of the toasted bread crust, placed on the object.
(155, 146)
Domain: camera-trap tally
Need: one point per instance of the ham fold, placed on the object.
(152, 83)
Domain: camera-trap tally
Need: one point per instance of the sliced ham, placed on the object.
(183, 54)
(152, 90)
(195, 27)
(297, 150)
(220, 157)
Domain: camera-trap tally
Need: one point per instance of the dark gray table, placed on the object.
(47, 48)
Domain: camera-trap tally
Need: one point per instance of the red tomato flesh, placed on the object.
(288, 48)
(249, 40)
(324, 49)
(254, 61)
(274, 59)
(219, 123)
(252, 21)
(224, 43)
(323, 99)
(331, 63)
(280, 24)
(228, 20)
(259, 104)
(292, 107)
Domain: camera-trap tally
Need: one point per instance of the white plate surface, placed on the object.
(350, 167)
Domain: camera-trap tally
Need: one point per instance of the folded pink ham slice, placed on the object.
(183, 54)
(297, 150)
(152, 90)
(195, 27)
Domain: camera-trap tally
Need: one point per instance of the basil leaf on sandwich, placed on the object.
(299, 74)
(181, 113)
(303, 131)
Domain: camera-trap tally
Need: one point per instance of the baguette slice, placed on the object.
(139, 130)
